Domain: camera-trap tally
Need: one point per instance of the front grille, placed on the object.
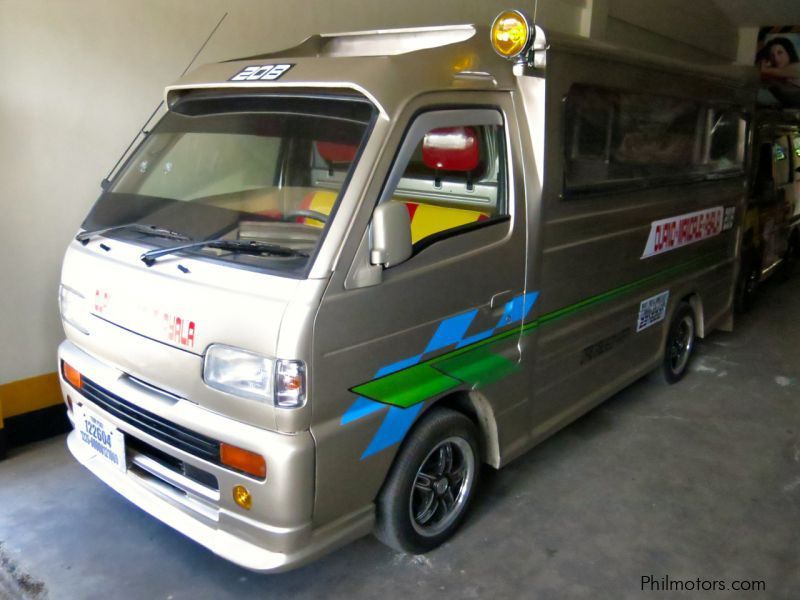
(167, 460)
(176, 436)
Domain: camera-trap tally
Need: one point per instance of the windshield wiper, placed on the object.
(245, 246)
(153, 230)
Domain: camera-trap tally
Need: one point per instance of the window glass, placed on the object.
(256, 169)
(726, 143)
(592, 127)
(454, 179)
(654, 134)
(205, 164)
(619, 137)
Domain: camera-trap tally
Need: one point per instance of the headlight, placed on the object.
(74, 308)
(290, 383)
(281, 383)
(239, 372)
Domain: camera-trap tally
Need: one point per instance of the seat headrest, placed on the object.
(334, 152)
(451, 149)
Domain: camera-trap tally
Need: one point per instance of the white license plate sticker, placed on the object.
(652, 311)
(105, 440)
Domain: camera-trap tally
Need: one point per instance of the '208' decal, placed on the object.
(261, 72)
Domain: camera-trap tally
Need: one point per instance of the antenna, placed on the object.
(213, 31)
(106, 182)
(535, 8)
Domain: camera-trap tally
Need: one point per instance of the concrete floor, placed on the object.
(698, 480)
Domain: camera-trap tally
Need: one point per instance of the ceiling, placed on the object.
(748, 13)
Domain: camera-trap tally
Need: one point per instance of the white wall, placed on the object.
(77, 78)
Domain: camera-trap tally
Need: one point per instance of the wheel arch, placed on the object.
(477, 408)
(694, 300)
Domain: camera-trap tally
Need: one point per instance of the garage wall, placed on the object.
(692, 30)
(78, 78)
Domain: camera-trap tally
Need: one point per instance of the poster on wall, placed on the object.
(778, 60)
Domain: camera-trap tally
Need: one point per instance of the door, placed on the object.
(446, 320)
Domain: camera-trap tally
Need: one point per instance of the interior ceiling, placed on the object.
(748, 13)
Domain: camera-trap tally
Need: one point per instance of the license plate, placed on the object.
(105, 440)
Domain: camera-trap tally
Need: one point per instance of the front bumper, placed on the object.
(275, 535)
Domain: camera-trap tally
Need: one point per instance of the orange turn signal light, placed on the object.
(243, 460)
(72, 375)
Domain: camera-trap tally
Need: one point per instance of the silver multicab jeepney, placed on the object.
(333, 281)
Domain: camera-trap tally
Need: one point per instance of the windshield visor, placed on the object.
(267, 170)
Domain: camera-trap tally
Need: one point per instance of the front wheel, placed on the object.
(680, 344)
(430, 487)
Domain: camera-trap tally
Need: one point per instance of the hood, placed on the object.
(156, 323)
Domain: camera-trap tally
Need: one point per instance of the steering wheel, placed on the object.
(304, 212)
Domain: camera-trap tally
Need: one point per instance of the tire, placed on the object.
(431, 484)
(680, 344)
(747, 284)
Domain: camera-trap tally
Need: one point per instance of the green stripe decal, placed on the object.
(477, 368)
(407, 387)
(622, 290)
(476, 365)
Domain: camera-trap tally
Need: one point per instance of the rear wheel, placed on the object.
(430, 487)
(680, 344)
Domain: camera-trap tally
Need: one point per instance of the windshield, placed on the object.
(258, 169)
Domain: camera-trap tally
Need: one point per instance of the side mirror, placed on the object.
(390, 242)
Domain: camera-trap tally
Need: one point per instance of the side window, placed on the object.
(454, 180)
(591, 135)
(655, 135)
(726, 132)
(617, 136)
(626, 138)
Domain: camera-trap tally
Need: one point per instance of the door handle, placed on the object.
(500, 299)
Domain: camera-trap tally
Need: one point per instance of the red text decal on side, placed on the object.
(676, 232)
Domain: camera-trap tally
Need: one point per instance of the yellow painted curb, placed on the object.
(28, 395)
